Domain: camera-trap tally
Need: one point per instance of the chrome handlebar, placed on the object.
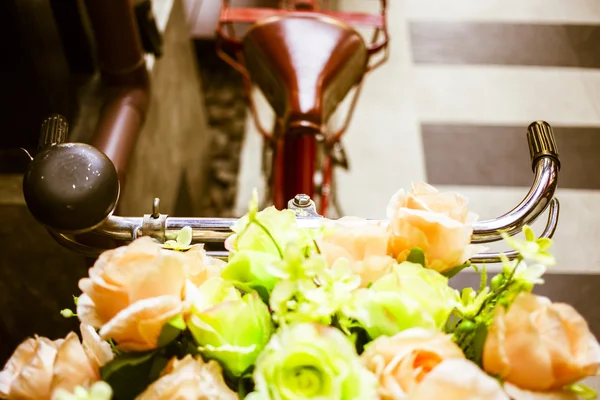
(72, 189)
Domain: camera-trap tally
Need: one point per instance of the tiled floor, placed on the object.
(451, 106)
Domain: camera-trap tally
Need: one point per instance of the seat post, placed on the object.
(305, 5)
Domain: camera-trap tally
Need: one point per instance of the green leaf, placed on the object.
(178, 322)
(245, 385)
(473, 347)
(158, 365)
(454, 271)
(123, 361)
(583, 391)
(416, 256)
(129, 374)
(169, 333)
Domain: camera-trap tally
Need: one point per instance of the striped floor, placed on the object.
(451, 106)
(464, 80)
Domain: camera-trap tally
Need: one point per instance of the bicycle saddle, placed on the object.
(305, 65)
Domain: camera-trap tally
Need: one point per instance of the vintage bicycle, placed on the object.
(73, 189)
(306, 59)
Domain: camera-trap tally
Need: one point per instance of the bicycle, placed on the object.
(73, 188)
(306, 59)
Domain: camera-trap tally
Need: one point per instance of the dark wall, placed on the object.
(45, 57)
(41, 66)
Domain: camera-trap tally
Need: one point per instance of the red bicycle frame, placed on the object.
(305, 58)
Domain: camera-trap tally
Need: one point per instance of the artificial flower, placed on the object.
(132, 291)
(400, 362)
(411, 296)
(457, 379)
(308, 360)
(425, 197)
(268, 231)
(227, 326)
(516, 393)
(539, 345)
(189, 378)
(363, 243)
(437, 223)
(200, 267)
(260, 239)
(40, 366)
(531, 248)
(98, 391)
(98, 351)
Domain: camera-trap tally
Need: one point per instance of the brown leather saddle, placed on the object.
(305, 66)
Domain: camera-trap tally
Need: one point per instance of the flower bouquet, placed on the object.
(352, 309)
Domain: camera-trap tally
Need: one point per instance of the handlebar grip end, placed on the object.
(541, 142)
(54, 130)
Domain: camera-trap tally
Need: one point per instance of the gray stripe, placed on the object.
(499, 156)
(506, 44)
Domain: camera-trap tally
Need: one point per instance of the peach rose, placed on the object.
(132, 291)
(457, 379)
(200, 266)
(516, 393)
(98, 351)
(189, 378)
(363, 243)
(540, 346)
(40, 366)
(401, 361)
(438, 223)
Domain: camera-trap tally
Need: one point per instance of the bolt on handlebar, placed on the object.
(72, 188)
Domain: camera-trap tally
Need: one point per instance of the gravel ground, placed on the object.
(226, 110)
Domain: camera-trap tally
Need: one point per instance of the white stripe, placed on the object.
(162, 12)
(508, 95)
(518, 11)
(575, 242)
(383, 142)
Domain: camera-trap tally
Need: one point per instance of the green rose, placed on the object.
(227, 326)
(410, 296)
(249, 269)
(260, 240)
(308, 360)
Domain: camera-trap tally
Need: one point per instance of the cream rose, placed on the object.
(363, 243)
(40, 366)
(540, 346)
(189, 378)
(132, 291)
(457, 379)
(438, 223)
(402, 361)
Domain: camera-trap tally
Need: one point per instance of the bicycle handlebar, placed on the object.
(73, 188)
